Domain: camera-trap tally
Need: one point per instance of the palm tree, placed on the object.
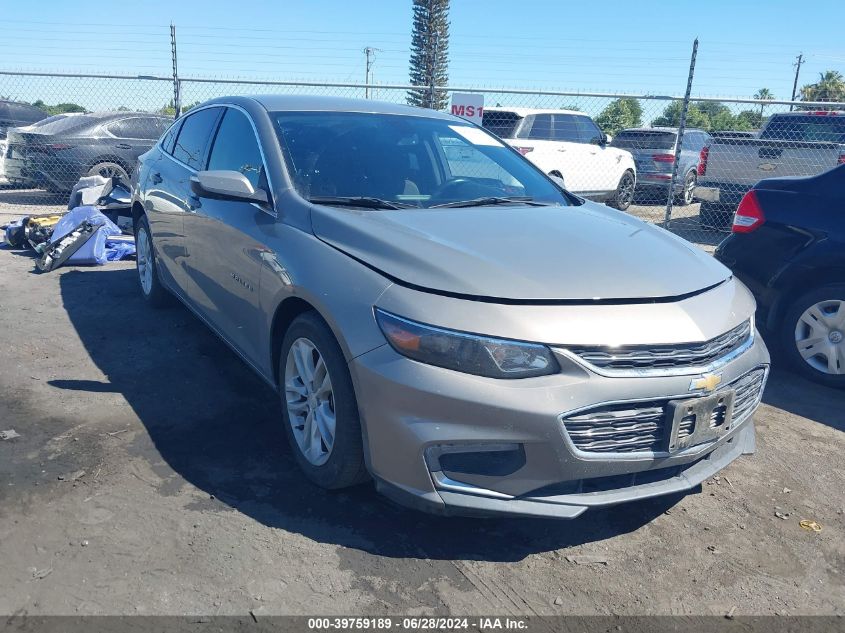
(830, 87)
(763, 94)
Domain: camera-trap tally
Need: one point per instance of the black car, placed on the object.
(56, 155)
(14, 114)
(788, 246)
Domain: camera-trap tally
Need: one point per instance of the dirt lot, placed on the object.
(151, 476)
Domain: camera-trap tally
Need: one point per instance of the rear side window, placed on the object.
(138, 127)
(540, 127)
(169, 138)
(502, 124)
(236, 148)
(193, 138)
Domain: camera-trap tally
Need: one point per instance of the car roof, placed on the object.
(104, 116)
(305, 103)
(660, 128)
(523, 112)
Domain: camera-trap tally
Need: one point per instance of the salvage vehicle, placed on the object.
(56, 155)
(801, 143)
(788, 246)
(15, 114)
(484, 343)
(653, 150)
(568, 144)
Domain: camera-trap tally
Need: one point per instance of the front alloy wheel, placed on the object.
(310, 401)
(624, 195)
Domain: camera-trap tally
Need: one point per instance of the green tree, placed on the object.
(59, 108)
(829, 87)
(620, 114)
(748, 120)
(170, 108)
(671, 116)
(764, 94)
(429, 53)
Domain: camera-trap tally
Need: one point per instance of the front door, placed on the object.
(224, 239)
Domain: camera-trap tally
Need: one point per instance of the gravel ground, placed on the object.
(151, 476)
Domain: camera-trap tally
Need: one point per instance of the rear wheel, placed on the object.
(686, 196)
(319, 408)
(813, 335)
(145, 264)
(624, 194)
(109, 169)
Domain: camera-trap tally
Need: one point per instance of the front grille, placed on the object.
(633, 427)
(639, 357)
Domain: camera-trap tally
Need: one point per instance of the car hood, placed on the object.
(583, 253)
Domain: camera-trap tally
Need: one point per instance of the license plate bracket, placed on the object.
(700, 420)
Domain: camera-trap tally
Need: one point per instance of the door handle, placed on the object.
(561, 149)
(123, 146)
(155, 177)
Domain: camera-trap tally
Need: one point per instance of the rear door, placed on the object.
(551, 141)
(225, 238)
(168, 195)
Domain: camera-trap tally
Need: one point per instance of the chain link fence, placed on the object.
(621, 149)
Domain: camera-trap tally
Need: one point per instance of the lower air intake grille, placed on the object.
(633, 427)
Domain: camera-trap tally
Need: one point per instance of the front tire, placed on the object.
(319, 408)
(813, 335)
(152, 291)
(624, 194)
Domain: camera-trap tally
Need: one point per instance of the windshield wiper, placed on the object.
(359, 201)
(482, 202)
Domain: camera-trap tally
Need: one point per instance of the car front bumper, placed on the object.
(452, 443)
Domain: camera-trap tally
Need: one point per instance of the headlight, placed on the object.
(468, 353)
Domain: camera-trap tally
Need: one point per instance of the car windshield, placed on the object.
(644, 140)
(502, 123)
(405, 161)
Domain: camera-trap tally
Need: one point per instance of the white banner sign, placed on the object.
(469, 106)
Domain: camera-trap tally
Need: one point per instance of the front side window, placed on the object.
(407, 161)
(236, 148)
(588, 130)
(149, 128)
(194, 136)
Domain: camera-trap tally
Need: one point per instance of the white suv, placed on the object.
(568, 144)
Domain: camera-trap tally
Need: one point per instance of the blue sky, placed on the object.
(640, 47)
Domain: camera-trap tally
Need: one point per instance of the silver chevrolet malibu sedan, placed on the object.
(441, 317)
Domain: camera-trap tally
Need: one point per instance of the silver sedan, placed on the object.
(439, 316)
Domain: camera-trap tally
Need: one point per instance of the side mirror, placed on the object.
(225, 184)
(558, 180)
(606, 139)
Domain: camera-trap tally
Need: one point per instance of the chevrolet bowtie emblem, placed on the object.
(707, 382)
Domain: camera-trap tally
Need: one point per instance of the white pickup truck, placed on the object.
(790, 144)
(568, 144)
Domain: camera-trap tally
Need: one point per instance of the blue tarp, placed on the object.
(106, 245)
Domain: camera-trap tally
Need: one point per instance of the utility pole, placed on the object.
(177, 92)
(798, 61)
(681, 126)
(370, 52)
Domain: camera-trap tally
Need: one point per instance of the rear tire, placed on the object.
(319, 408)
(624, 194)
(109, 169)
(815, 322)
(686, 196)
(146, 266)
